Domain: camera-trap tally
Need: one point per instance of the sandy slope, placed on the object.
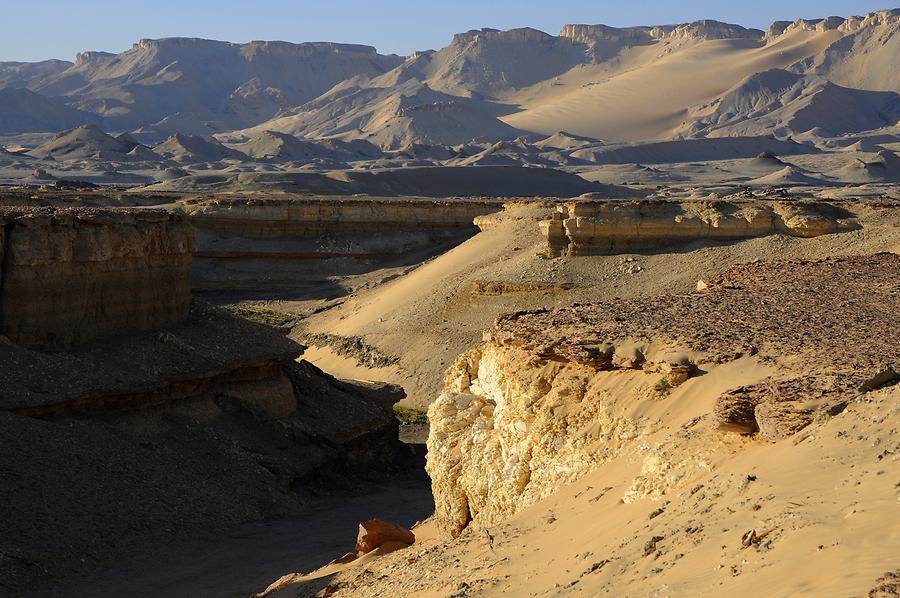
(649, 101)
(828, 500)
(428, 317)
(678, 505)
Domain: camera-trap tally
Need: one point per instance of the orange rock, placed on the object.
(375, 532)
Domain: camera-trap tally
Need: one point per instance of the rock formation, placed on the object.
(514, 425)
(585, 227)
(376, 533)
(69, 276)
(552, 394)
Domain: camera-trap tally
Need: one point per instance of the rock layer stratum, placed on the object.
(68, 276)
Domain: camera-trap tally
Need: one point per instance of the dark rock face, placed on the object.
(69, 276)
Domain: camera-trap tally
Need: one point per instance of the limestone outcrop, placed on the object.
(585, 227)
(551, 394)
(69, 276)
(273, 218)
(515, 424)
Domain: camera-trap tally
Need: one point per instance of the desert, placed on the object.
(607, 312)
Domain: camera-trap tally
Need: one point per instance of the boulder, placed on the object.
(778, 420)
(375, 532)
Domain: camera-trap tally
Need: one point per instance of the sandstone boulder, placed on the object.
(375, 533)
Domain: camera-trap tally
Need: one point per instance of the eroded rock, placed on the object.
(375, 533)
(589, 227)
(74, 275)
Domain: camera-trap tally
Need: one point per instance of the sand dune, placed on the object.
(651, 101)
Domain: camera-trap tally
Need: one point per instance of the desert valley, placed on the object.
(612, 312)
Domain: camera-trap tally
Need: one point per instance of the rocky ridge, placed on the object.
(553, 393)
(585, 227)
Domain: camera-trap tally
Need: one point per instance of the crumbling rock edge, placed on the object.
(666, 381)
(586, 227)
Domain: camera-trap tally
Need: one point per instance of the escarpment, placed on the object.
(272, 244)
(666, 381)
(586, 227)
(68, 276)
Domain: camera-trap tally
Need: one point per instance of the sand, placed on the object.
(825, 503)
(431, 315)
(651, 100)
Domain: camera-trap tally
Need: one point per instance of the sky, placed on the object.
(41, 29)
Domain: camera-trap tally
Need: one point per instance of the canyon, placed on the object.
(107, 364)
(608, 312)
(399, 290)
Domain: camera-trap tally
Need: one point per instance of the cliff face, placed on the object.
(273, 218)
(598, 227)
(512, 427)
(69, 276)
(296, 243)
(669, 382)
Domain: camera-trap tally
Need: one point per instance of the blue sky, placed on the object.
(40, 29)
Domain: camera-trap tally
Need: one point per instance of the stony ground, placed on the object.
(696, 510)
(811, 316)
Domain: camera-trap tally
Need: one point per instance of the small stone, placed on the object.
(650, 546)
(375, 532)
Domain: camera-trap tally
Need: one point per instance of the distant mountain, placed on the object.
(784, 103)
(26, 74)
(238, 84)
(396, 116)
(707, 78)
(24, 111)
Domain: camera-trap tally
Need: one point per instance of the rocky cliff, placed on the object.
(270, 244)
(553, 393)
(587, 227)
(134, 417)
(68, 276)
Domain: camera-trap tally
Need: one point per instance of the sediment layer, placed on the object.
(72, 275)
(297, 242)
(586, 227)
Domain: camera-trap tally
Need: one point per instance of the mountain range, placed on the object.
(825, 77)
